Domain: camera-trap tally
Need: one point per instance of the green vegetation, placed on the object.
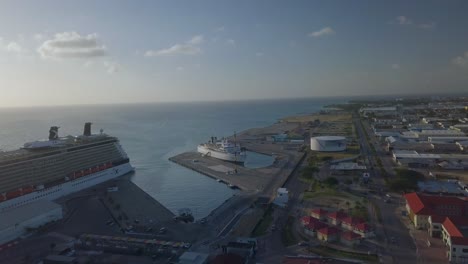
(405, 180)
(333, 252)
(360, 211)
(262, 226)
(349, 107)
(287, 236)
(330, 182)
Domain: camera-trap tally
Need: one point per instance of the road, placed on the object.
(394, 236)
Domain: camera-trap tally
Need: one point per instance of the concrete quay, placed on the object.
(245, 179)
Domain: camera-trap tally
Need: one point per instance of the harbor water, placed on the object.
(152, 133)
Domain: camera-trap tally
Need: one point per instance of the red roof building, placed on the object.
(350, 222)
(319, 214)
(421, 206)
(312, 227)
(316, 225)
(328, 234)
(336, 217)
(455, 236)
(305, 220)
(350, 238)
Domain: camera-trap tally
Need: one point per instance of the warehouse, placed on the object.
(328, 143)
(14, 223)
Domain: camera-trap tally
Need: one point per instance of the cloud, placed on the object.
(405, 21)
(231, 42)
(259, 54)
(180, 68)
(198, 39)
(38, 36)
(72, 45)
(461, 61)
(112, 66)
(395, 66)
(429, 25)
(14, 47)
(322, 32)
(402, 20)
(190, 47)
(220, 29)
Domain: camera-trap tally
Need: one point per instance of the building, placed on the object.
(328, 234)
(421, 206)
(350, 222)
(282, 197)
(350, 238)
(305, 220)
(244, 249)
(328, 143)
(347, 166)
(319, 214)
(364, 230)
(455, 237)
(15, 222)
(335, 218)
(379, 111)
(312, 227)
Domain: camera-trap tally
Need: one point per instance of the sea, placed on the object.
(151, 133)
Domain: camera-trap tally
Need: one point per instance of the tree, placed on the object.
(331, 181)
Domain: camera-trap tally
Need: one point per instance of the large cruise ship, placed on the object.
(223, 149)
(59, 166)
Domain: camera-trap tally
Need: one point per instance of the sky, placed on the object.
(103, 52)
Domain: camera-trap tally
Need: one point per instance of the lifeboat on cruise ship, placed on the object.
(27, 189)
(79, 174)
(2, 197)
(109, 164)
(13, 194)
(87, 172)
(95, 169)
(103, 167)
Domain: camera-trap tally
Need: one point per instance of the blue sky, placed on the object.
(74, 52)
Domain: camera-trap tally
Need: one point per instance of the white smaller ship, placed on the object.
(223, 149)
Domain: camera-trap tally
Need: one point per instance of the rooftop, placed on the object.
(337, 215)
(349, 235)
(422, 204)
(330, 230)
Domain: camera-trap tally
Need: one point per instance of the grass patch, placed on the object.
(337, 155)
(332, 252)
(262, 226)
(287, 236)
(327, 192)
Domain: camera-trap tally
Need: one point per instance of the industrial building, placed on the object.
(328, 143)
(15, 222)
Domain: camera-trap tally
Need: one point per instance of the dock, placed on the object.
(227, 172)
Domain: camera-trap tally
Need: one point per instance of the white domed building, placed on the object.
(328, 143)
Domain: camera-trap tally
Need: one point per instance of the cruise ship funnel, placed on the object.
(87, 129)
(53, 133)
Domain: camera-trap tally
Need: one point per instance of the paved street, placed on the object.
(393, 235)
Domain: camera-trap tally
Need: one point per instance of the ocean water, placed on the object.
(151, 133)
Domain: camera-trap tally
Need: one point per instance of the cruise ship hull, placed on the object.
(68, 187)
(231, 157)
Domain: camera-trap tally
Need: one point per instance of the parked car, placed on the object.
(162, 230)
